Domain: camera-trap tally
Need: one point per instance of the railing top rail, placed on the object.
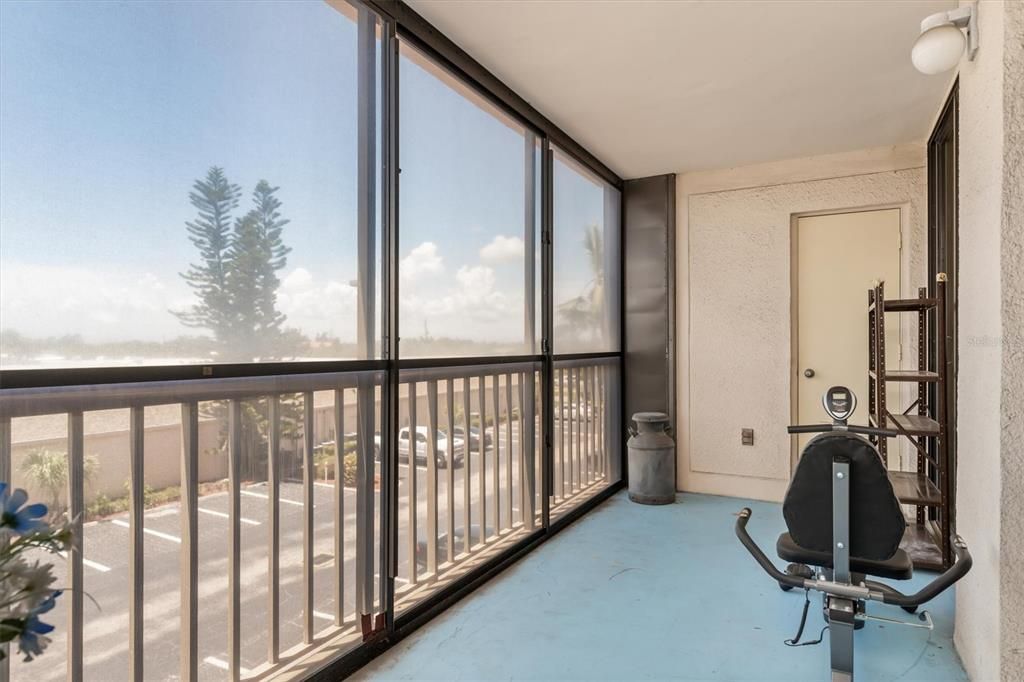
(27, 402)
(407, 374)
(588, 361)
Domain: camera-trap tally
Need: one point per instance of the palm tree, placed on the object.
(583, 316)
(48, 469)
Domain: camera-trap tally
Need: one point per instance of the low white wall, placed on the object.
(734, 294)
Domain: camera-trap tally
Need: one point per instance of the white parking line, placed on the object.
(211, 512)
(267, 497)
(321, 614)
(91, 564)
(324, 484)
(154, 533)
(223, 665)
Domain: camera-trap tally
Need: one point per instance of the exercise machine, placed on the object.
(844, 520)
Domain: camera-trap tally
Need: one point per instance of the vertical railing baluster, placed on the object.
(431, 454)
(509, 450)
(136, 555)
(604, 421)
(76, 510)
(189, 541)
(592, 376)
(274, 528)
(366, 416)
(526, 450)
(339, 507)
(587, 416)
(307, 517)
(451, 469)
(5, 475)
(235, 540)
(599, 418)
(574, 437)
(482, 398)
(496, 394)
(562, 451)
(581, 428)
(411, 448)
(467, 539)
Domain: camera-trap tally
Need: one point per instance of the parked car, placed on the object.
(454, 455)
(442, 544)
(474, 437)
(577, 411)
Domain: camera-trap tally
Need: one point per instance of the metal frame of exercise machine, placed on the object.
(845, 593)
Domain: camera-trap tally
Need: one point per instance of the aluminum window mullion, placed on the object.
(390, 284)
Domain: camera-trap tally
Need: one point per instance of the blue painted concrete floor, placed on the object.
(632, 592)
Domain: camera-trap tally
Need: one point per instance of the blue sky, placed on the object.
(110, 111)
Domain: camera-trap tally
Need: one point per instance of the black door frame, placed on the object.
(943, 256)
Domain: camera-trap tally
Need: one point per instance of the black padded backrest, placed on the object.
(876, 521)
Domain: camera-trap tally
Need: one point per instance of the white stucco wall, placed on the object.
(990, 426)
(1012, 438)
(734, 312)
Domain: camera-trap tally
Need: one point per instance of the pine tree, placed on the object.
(214, 198)
(257, 253)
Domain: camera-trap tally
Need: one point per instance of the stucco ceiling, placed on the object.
(656, 87)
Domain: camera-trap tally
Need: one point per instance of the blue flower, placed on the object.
(31, 639)
(16, 515)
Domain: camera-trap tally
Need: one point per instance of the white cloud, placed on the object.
(101, 305)
(503, 249)
(316, 307)
(422, 260)
(119, 305)
(297, 279)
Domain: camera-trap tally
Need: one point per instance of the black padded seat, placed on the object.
(897, 567)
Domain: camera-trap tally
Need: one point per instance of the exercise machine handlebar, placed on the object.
(936, 587)
(872, 590)
(755, 551)
(848, 428)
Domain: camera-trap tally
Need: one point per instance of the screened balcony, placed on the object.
(288, 406)
(322, 323)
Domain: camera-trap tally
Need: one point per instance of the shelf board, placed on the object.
(902, 305)
(919, 543)
(914, 488)
(912, 375)
(914, 424)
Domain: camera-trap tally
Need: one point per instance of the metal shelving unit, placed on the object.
(928, 489)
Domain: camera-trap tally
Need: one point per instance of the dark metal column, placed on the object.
(649, 235)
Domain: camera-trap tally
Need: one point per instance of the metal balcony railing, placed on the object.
(271, 547)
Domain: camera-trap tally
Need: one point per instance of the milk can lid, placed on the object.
(650, 417)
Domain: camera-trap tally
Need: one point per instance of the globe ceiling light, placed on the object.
(942, 42)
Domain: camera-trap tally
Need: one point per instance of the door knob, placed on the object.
(808, 372)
